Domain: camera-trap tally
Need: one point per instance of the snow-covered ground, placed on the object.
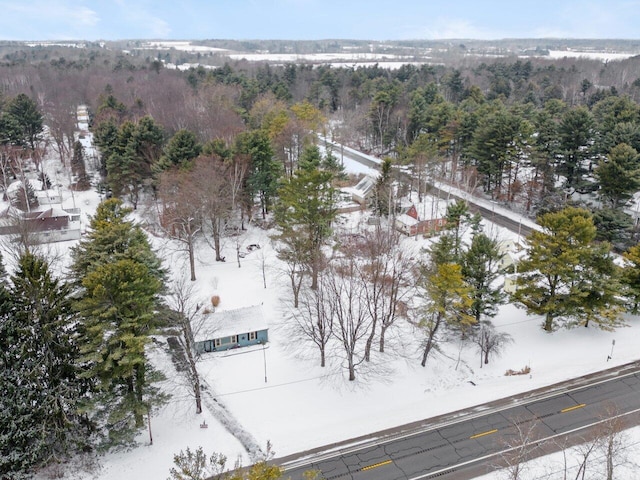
(280, 394)
(302, 406)
(557, 466)
(604, 56)
(319, 57)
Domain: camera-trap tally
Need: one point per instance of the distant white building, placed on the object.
(48, 197)
(512, 251)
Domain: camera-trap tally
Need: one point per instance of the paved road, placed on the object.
(472, 444)
(492, 214)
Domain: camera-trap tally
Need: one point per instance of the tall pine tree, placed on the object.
(304, 212)
(39, 406)
(120, 279)
(480, 268)
(566, 275)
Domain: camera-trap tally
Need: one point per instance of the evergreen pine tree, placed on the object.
(480, 269)
(383, 201)
(181, 149)
(265, 169)
(310, 158)
(631, 278)
(566, 275)
(457, 215)
(619, 175)
(25, 197)
(39, 407)
(28, 118)
(117, 313)
(78, 168)
(304, 213)
(331, 164)
(112, 237)
(447, 301)
(120, 279)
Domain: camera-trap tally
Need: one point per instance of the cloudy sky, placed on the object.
(317, 19)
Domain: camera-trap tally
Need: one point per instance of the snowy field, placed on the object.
(281, 395)
(302, 406)
(603, 56)
(559, 467)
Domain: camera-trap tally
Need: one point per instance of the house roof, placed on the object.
(365, 185)
(511, 245)
(35, 185)
(52, 212)
(405, 219)
(47, 220)
(229, 322)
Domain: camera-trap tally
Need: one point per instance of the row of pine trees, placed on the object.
(72, 349)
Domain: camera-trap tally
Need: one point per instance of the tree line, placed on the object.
(528, 132)
(76, 373)
(210, 151)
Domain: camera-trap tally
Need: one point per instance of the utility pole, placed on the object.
(264, 357)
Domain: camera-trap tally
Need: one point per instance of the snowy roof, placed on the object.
(365, 185)
(510, 245)
(230, 322)
(11, 212)
(405, 219)
(51, 212)
(35, 185)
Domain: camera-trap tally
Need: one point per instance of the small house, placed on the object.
(53, 224)
(48, 197)
(511, 252)
(222, 330)
(410, 224)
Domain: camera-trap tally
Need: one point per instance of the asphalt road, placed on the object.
(472, 446)
(473, 443)
(487, 213)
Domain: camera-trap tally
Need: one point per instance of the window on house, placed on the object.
(253, 335)
(217, 342)
(234, 339)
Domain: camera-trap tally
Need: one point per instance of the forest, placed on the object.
(213, 149)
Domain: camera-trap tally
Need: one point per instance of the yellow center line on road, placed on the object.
(575, 407)
(478, 435)
(376, 465)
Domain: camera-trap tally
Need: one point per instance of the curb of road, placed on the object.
(414, 428)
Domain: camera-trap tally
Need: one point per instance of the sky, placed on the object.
(317, 19)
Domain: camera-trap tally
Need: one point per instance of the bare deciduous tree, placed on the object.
(490, 342)
(352, 322)
(212, 181)
(314, 318)
(518, 444)
(612, 441)
(386, 276)
(181, 301)
(294, 265)
(180, 215)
